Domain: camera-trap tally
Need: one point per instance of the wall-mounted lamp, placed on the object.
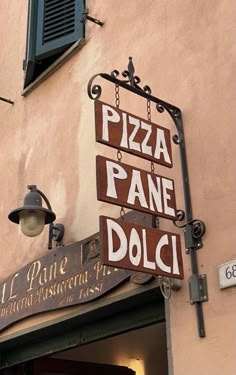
(32, 216)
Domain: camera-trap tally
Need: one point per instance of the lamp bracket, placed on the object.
(58, 232)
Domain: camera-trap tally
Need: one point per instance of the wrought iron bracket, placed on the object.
(193, 229)
(6, 100)
(193, 232)
(198, 289)
(86, 17)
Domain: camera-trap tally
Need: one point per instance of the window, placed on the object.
(53, 26)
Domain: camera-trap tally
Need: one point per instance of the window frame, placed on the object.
(36, 53)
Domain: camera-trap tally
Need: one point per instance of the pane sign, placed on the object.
(134, 247)
(124, 131)
(126, 186)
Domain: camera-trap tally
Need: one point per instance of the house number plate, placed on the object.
(227, 274)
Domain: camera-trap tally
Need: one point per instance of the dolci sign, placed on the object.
(141, 249)
(127, 245)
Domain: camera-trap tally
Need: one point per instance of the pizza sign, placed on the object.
(127, 132)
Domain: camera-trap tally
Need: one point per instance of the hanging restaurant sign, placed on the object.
(124, 131)
(126, 186)
(112, 118)
(134, 247)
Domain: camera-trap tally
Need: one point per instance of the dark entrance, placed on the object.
(49, 366)
(93, 323)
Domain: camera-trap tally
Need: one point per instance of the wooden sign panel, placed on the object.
(134, 247)
(124, 131)
(126, 186)
(67, 276)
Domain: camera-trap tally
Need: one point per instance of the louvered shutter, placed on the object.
(29, 62)
(58, 25)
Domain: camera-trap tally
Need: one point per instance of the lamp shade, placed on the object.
(32, 202)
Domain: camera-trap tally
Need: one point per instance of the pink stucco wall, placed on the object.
(184, 50)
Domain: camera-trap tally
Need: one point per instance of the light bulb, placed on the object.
(31, 222)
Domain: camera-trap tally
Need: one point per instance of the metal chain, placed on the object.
(149, 117)
(122, 213)
(119, 154)
(117, 95)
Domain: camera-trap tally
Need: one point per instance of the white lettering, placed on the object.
(108, 115)
(134, 241)
(154, 193)
(145, 148)
(118, 254)
(131, 248)
(161, 146)
(167, 185)
(136, 183)
(175, 259)
(134, 134)
(32, 273)
(43, 276)
(114, 170)
(3, 292)
(12, 286)
(124, 139)
(132, 144)
(146, 262)
(163, 241)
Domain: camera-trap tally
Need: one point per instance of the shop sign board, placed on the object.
(67, 276)
(127, 132)
(134, 247)
(131, 187)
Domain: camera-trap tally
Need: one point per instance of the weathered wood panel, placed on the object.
(67, 276)
(134, 247)
(127, 132)
(131, 187)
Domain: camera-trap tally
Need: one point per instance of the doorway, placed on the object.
(117, 333)
(142, 350)
(50, 366)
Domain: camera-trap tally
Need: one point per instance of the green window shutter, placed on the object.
(58, 26)
(29, 62)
